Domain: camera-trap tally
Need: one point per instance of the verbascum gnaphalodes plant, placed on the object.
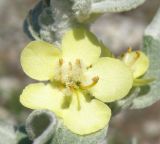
(78, 82)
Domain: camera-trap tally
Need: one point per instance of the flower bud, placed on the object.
(137, 61)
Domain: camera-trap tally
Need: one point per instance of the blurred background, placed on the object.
(117, 31)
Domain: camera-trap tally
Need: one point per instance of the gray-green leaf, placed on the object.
(7, 133)
(44, 128)
(151, 93)
(102, 6)
(64, 136)
(41, 125)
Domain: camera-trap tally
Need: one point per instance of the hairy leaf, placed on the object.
(40, 126)
(7, 133)
(64, 136)
(150, 93)
(41, 131)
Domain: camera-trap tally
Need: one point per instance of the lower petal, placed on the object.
(92, 116)
(41, 96)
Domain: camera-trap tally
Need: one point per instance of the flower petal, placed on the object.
(80, 44)
(115, 79)
(37, 60)
(92, 116)
(41, 96)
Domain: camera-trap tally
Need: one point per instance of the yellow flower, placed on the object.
(79, 81)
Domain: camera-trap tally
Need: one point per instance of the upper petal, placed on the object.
(115, 79)
(37, 60)
(41, 96)
(90, 117)
(80, 44)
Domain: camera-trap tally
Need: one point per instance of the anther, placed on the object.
(95, 79)
(61, 62)
(137, 54)
(129, 50)
(90, 66)
(136, 57)
(78, 62)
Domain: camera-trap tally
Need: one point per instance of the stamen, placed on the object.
(70, 66)
(71, 87)
(90, 66)
(78, 62)
(129, 50)
(94, 82)
(61, 62)
(77, 71)
(130, 57)
(58, 70)
(136, 56)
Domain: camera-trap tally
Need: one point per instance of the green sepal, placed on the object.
(142, 82)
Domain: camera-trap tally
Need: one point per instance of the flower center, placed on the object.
(70, 76)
